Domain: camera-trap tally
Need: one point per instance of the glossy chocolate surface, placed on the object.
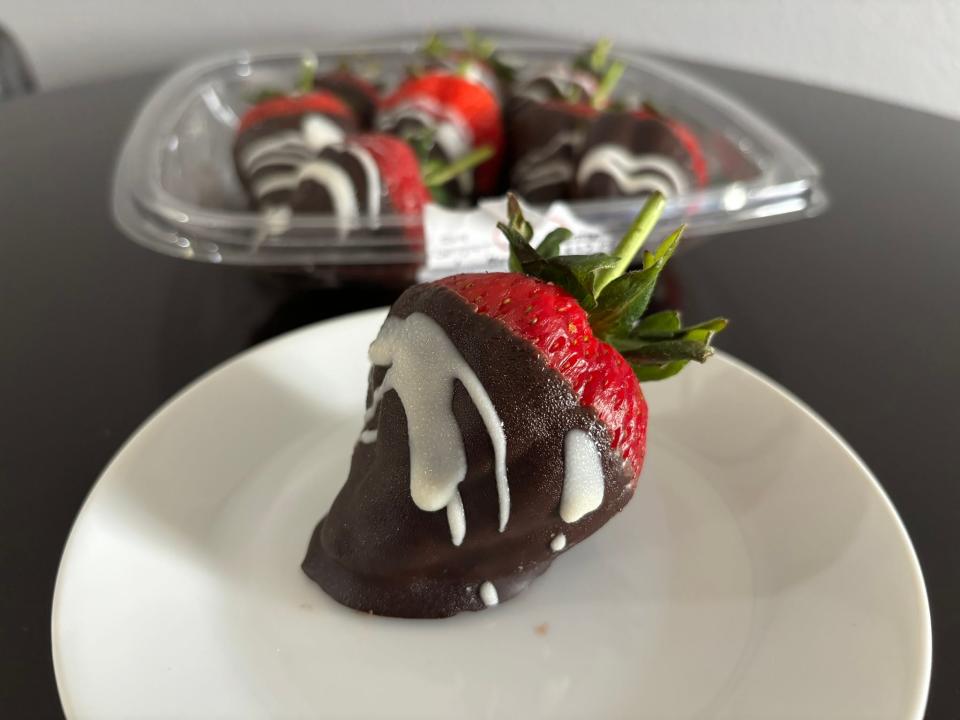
(376, 551)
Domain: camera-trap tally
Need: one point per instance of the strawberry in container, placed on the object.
(578, 80)
(633, 153)
(460, 115)
(369, 175)
(281, 131)
(547, 134)
(477, 61)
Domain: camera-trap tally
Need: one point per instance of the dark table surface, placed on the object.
(854, 311)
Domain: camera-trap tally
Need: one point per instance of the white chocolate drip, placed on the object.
(564, 81)
(634, 174)
(582, 476)
(456, 519)
(281, 180)
(275, 149)
(422, 365)
(558, 543)
(534, 171)
(337, 183)
(320, 131)
(376, 398)
(488, 593)
(451, 134)
(373, 178)
(287, 151)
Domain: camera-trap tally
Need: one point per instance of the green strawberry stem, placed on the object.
(598, 56)
(435, 47)
(627, 249)
(308, 75)
(656, 346)
(436, 175)
(305, 83)
(607, 85)
(480, 47)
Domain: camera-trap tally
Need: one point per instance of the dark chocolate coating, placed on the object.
(312, 197)
(376, 551)
(531, 127)
(648, 134)
(287, 162)
(353, 92)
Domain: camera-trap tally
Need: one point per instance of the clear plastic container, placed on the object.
(176, 191)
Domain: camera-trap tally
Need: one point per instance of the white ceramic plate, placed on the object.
(758, 572)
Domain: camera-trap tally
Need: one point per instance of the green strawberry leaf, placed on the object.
(649, 373)
(624, 301)
(518, 224)
(661, 324)
(565, 274)
(666, 325)
(656, 350)
(662, 359)
(516, 219)
(645, 335)
(587, 269)
(664, 351)
(549, 247)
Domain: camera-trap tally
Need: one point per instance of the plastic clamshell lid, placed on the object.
(175, 189)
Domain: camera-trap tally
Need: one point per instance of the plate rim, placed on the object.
(926, 643)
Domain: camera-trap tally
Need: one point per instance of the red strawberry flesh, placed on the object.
(552, 321)
(316, 102)
(399, 171)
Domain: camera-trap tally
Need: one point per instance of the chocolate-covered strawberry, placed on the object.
(505, 423)
(636, 152)
(369, 175)
(281, 132)
(576, 81)
(546, 137)
(458, 115)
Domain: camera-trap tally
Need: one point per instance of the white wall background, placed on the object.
(905, 51)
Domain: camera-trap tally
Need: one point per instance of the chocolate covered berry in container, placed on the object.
(386, 160)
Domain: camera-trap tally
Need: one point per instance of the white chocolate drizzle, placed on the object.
(372, 174)
(536, 168)
(423, 364)
(582, 476)
(273, 161)
(559, 80)
(337, 183)
(320, 131)
(558, 543)
(488, 593)
(633, 174)
(280, 148)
